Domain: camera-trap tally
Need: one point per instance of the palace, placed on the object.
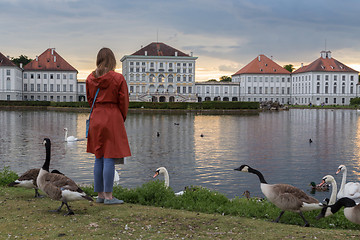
(161, 73)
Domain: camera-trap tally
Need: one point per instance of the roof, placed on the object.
(159, 49)
(262, 65)
(325, 63)
(5, 62)
(49, 60)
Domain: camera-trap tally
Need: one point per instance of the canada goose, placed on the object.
(70, 138)
(28, 180)
(350, 189)
(162, 170)
(284, 196)
(351, 210)
(310, 140)
(57, 186)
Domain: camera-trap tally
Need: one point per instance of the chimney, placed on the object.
(37, 58)
(145, 53)
(191, 53)
(52, 51)
(176, 54)
(21, 65)
(54, 58)
(302, 64)
(259, 58)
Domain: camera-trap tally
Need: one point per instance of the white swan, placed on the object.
(350, 189)
(162, 170)
(330, 180)
(70, 138)
(285, 196)
(116, 178)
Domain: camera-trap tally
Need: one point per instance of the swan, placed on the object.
(116, 177)
(28, 180)
(70, 138)
(162, 170)
(330, 180)
(57, 186)
(284, 196)
(350, 189)
(351, 210)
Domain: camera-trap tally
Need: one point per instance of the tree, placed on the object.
(289, 67)
(212, 80)
(21, 59)
(225, 79)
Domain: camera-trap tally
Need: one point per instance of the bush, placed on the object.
(7, 176)
(355, 101)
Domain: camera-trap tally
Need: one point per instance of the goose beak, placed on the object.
(156, 174)
(337, 172)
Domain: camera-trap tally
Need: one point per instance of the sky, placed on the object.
(225, 35)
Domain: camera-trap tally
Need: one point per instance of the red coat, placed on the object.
(107, 134)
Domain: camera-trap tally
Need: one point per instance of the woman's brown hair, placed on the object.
(105, 62)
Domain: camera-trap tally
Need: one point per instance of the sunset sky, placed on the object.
(225, 35)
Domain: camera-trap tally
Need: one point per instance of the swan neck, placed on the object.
(333, 192)
(167, 180)
(259, 174)
(47, 160)
(343, 180)
(66, 135)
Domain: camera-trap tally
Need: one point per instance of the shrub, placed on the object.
(7, 176)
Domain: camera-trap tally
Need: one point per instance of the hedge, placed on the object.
(146, 105)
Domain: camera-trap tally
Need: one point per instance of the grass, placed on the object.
(154, 212)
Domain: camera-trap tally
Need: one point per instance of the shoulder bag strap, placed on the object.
(94, 101)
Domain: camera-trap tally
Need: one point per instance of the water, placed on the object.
(276, 143)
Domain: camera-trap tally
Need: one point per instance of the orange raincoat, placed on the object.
(107, 134)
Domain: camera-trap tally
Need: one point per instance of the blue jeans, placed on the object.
(104, 169)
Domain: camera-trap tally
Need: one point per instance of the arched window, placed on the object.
(151, 78)
(170, 78)
(161, 78)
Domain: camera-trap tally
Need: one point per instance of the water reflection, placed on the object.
(196, 149)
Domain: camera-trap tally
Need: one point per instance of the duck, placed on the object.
(350, 189)
(163, 170)
(320, 187)
(70, 138)
(351, 209)
(28, 180)
(285, 196)
(158, 134)
(58, 187)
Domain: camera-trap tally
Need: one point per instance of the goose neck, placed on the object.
(46, 165)
(259, 174)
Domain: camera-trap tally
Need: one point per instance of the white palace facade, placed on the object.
(161, 73)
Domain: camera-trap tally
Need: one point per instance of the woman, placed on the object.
(107, 137)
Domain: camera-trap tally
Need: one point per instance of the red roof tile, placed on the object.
(159, 49)
(49, 60)
(4, 61)
(325, 65)
(262, 65)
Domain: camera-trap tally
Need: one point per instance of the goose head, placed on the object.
(243, 168)
(341, 168)
(160, 170)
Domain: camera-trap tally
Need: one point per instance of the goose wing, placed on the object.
(30, 174)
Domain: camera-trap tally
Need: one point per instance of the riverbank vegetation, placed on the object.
(152, 210)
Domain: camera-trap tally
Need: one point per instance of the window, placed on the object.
(272, 90)
(161, 78)
(343, 77)
(334, 87)
(184, 89)
(184, 78)
(170, 78)
(178, 89)
(51, 76)
(249, 90)
(254, 90)
(64, 88)
(343, 88)
(178, 78)
(25, 75)
(71, 88)
(38, 87)
(32, 87)
(38, 76)
(260, 90)
(25, 87)
(8, 84)
(326, 77)
(82, 90)
(58, 88)
(31, 76)
(51, 87)
(45, 76)
(190, 89)
(64, 76)
(190, 78)
(7, 72)
(45, 98)
(318, 77)
(58, 76)
(71, 76)
(152, 78)
(207, 89)
(64, 98)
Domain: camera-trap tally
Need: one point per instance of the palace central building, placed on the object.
(160, 73)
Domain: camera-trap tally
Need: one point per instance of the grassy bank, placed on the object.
(152, 211)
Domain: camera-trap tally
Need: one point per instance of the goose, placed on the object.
(28, 180)
(284, 196)
(350, 189)
(162, 170)
(351, 210)
(57, 186)
(70, 138)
